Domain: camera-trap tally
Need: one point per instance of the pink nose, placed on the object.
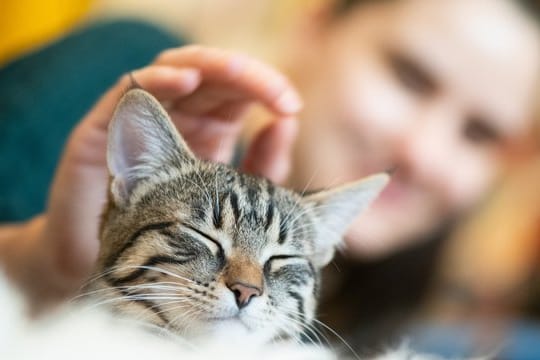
(244, 293)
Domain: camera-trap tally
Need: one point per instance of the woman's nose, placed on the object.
(425, 150)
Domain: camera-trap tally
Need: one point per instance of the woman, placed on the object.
(423, 88)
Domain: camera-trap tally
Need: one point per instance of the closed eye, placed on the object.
(275, 262)
(284, 257)
(206, 239)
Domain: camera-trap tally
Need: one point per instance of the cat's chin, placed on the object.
(225, 330)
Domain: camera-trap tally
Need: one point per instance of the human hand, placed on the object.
(205, 91)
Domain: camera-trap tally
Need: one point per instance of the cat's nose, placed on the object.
(244, 293)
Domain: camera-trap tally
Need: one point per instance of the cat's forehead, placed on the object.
(247, 211)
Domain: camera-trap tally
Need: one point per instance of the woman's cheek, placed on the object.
(470, 179)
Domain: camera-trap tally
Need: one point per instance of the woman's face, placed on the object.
(437, 91)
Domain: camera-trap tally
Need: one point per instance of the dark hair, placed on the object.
(343, 6)
(532, 7)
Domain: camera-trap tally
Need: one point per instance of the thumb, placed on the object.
(269, 155)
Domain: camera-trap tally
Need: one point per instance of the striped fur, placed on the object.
(178, 233)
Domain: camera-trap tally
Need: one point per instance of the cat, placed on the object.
(217, 263)
(204, 251)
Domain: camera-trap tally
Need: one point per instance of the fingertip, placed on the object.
(270, 153)
(289, 102)
(189, 79)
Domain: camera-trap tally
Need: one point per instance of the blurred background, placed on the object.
(28, 25)
(481, 289)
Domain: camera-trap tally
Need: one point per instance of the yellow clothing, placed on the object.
(26, 24)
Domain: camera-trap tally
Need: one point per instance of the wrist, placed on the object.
(28, 263)
(17, 244)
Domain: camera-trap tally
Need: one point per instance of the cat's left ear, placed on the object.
(337, 208)
(143, 142)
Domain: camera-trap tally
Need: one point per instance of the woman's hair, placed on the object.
(532, 7)
(343, 6)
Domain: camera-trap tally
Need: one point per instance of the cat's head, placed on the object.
(198, 247)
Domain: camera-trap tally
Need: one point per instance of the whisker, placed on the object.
(158, 269)
(302, 329)
(333, 332)
(312, 177)
(128, 287)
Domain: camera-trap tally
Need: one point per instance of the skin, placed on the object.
(439, 91)
(362, 116)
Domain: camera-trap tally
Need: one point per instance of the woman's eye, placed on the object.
(477, 131)
(412, 75)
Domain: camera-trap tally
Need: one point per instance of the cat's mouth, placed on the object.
(224, 318)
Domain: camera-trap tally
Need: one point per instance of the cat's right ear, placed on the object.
(337, 208)
(142, 142)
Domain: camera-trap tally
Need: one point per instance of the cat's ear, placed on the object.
(337, 208)
(142, 141)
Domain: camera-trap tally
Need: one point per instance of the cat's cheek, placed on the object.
(255, 312)
(224, 304)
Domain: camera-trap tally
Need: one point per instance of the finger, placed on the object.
(164, 82)
(210, 97)
(253, 78)
(231, 110)
(210, 138)
(167, 82)
(214, 136)
(270, 154)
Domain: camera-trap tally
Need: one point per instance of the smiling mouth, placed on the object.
(394, 192)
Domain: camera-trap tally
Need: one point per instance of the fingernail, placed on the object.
(190, 77)
(289, 102)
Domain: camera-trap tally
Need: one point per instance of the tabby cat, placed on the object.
(204, 251)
